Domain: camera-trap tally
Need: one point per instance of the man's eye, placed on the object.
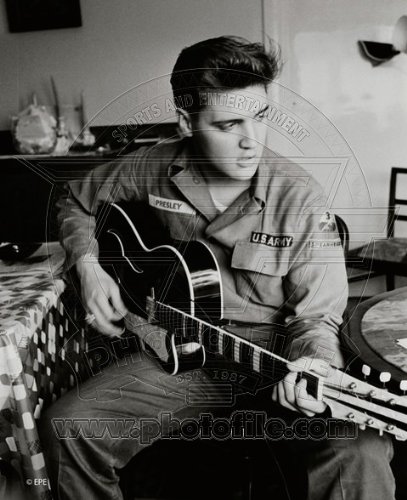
(261, 115)
(227, 126)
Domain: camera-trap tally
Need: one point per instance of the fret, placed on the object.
(177, 321)
(220, 342)
(211, 339)
(173, 320)
(191, 331)
(236, 351)
(256, 361)
(228, 346)
(206, 337)
(168, 315)
(267, 365)
(246, 354)
(183, 327)
(200, 333)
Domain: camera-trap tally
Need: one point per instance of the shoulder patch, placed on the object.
(327, 222)
(270, 240)
(316, 243)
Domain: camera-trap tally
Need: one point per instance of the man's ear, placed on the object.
(184, 122)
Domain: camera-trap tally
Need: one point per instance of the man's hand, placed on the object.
(101, 297)
(293, 395)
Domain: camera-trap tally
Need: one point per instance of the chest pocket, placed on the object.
(258, 272)
(177, 226)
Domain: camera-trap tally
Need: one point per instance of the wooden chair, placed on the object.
(388, 256)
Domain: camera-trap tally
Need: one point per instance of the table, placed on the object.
(378, 333)
(41, 357)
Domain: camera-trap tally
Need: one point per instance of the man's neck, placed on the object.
(224, 192)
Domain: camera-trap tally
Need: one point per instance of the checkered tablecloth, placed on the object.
(41, 357)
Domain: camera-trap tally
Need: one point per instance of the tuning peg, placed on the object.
(366, 370)
(362, 427)
(403, 386)
(384, 377)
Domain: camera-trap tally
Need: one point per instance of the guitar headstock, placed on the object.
(362, 420)
(346, 383)
(365, 404)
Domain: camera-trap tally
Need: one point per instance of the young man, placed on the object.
(281, 266)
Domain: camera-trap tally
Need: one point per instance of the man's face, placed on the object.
(229, 132)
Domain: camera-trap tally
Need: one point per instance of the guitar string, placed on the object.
(177, 320)
(257, 351)
(227, 345)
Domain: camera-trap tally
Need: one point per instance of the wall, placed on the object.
(367, 105)
(357, 112)
(120, 45)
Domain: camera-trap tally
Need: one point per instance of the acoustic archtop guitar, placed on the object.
(178, 286)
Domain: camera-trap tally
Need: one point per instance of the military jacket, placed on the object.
(277, 244)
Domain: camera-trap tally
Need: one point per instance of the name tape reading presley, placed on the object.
(170, 205)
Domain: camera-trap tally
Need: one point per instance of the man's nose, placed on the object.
(248, 139)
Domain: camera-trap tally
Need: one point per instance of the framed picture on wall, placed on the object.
(32, 15)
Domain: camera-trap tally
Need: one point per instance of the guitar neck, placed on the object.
(348, 398)
(219, 341)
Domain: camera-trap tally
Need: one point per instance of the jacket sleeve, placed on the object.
(316, 288)
(119, 180)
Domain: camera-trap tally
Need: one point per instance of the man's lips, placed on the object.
(247, 159)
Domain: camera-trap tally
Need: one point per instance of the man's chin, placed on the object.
(246, 170)
(244, 175)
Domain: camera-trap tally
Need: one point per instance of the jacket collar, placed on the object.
(185, 174)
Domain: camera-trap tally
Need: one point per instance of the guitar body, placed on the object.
(183, 276)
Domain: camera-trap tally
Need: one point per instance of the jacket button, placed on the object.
(196, 180)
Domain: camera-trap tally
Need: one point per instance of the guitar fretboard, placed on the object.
(219, 341)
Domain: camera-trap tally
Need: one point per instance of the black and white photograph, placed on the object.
(203, 250)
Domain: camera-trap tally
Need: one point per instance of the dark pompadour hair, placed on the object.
(226, 62)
